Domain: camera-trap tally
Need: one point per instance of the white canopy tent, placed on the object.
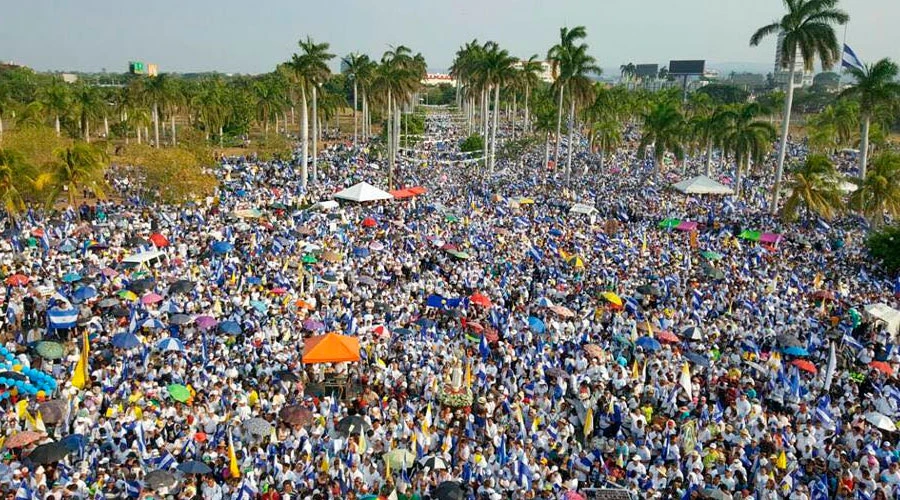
(581, 208)
(702, 185)
(363, 192)
(889, 315)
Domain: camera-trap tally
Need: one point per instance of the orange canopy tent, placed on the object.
(330, 348)
(417, 190)
(399, 194)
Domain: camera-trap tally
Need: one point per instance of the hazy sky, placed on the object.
(252, 36)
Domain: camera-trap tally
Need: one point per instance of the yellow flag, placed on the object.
(649, 329)
(469, 375)
(81, 377)
(253, 398)
(39, 423)
(817, 281)
(387, 468)
(325, 464)
(21, 408)
(426, 422)
(233, 467)
(781, 462)
(644, 244)
(635, 371)
(363, 445)
(589, 422)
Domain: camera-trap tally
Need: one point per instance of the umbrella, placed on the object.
(750, 235)
(260, 306)
(84, 293)
(14, 376)
(141, 285)
(788, 340)
(296, 415)
(361, 252)
(287, 376)
(71, 277)
(592, 351)
(74, 442)
(151, 298)
(136, 241)
(230, 327)
(23, 439)
(179, 319)
(160, 479)
(67, 246)
(159, 240)
(309, 259)
(669, 223)
(433, 463)
(536, 324)
(313, 325)
(575, 261)
(222, 247)
(329, 256)
(54, 411)
(205, 322)
(49, 350)
(108, 302)
(882, 367)
(127, 295)
(881, 421)
(711, 272)
(181, 286)
(697, 358)
(805, 365)
(795, 351)
(666, 336)
(194, 467)
(48, 453)
(480, 299)
(17, 280)
(354, 422)
(257, 427)
(612, 298)
(367, 280)
(648, 344)
(649, 289)
(179, 392)
(692, 333)
(711, 255)
(170, 344)
(125, 340)
(563, 311)
(369, 222)
(823, 295)
(448, 490)
(399, 458)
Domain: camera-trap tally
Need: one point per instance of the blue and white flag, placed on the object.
(849, 59)
(142, 445)
(24, 492)
(133, 489)
(62, 318)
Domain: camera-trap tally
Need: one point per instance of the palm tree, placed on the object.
(747, 138)
(12, 165)
(808, 29)
(498, 69)
(210, 107)
(88, 106)
(606, 133)
(76, 167)
(530, 71)
(664, 130)
(157, 91)
(814, 185)
(879, 192)
(355, 64)
(311, 67)
(269, 99)
(876, 85)
(707, 127)
(57, 99)
(628, 71)
(834, 126)
(557, 55)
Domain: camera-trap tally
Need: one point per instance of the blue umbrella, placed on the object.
(536, 324)
(361, 252)
(222, 247)
(230, 327)
(260, 306)
(67, 246)
(425, 322)
(84, 293)
(170, 344)
(71, 277)
(403, 332)
(253, 280)
(795, 351)
(73, 442)
(125, 341)
(153, 323)
(648, 344)
(697, 358)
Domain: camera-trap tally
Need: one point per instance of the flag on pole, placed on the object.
(589, 422)
(849, 59)
(685, 380)
(233, 468)
(81, 377)
(832, 365)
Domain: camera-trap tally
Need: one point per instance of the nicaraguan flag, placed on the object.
(62, 318)
(849, 59)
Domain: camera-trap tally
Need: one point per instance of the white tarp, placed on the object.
(581, 208)
(702, 185)
(889, 315)
(363, 192)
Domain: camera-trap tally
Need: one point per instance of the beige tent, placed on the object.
(362, 193)
(702, 185)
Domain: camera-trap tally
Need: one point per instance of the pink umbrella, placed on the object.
(151, 298)
(109, 272)
(572, 495)
(769, 238)
(687, 226)
(205, 322)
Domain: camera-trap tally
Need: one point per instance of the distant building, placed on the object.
(711, 74)
(802, 78)
(747, 81)
(546, 73)
(69, 77)
(439, 78)
(829, 81)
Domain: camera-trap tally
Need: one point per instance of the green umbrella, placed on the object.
(399, 458)
(451, 218)
(309, 259)
(669, 223)
(179, 393)
(49, 350)
(714, 273)
(747, 234)
(460, 255)
(711, 255)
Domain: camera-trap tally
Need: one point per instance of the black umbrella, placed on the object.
(788, 340)
(108, 302)
(194, 467)
(13, 376)
(434, 463)
(160, 479)
(692, 333)
(649, 290)
(287, 376)
(697, 358)
(48, 453)
(142, 285)
(448, 490)
(354, 422)
(137, 242)
(181, 286)
(118, 312)
(180, 319)
(54, 411)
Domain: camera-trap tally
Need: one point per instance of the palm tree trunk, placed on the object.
(494, 130)
(396, 129)
(55, 126)
(138, 134)
(221, 136)
(525, 126)
(87, 130)
(558, 123)
(546, 165)
(172, 120)
(156, 124)
(304, 138)
(355, 123)
(571, 145)
(514, 114)
(106, 126)
(785, 128)
(709, 151)
(737, 178)
(276, 124)
(315, 132)
(389, 134)
(864, 146)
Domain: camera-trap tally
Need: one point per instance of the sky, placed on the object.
(241, 36)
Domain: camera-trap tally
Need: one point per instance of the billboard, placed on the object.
(136, 67)
(646, 70)
(691, 67)
(152, 70)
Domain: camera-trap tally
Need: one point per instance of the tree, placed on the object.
(557, 55)
(12, 167)
(472, 143)
(664, 131)
(57, 99)
(628, 71)
(530, 69)
(876, 86)
(747, 138)
(879, 192)
(157, 91)
(884, 245)
(707, 128)
(173, 175)
(356, 65)
(497, 68)
(814, 185)
(808, 29)
(76, 167)
(311, 68)
(834, 126)
(725, 94)
(88, 106)
(269, 98)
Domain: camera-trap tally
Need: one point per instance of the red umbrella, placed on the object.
(382, 331)
(480, 299)
(475, 327)
(23, 439)
(882, 367)
(37, 233)
(667, 336)
(805, 365)
(369, 222)
(159, 240)
(17, 280)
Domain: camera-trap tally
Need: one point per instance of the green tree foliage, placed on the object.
(170, 175)
(884, 245)
(725, 94)
(472, 143)
(814, 186)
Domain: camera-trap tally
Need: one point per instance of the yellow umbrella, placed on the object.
(575, 261)
(128, 295)
(525, 201)
(611, 297)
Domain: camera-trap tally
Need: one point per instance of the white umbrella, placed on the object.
(881, 421)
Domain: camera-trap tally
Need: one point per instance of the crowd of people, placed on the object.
(510, 347)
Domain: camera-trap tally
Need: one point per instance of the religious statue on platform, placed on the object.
(455, 391)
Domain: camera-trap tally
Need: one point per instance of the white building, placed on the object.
(546, 73)
(439, 78)
(802, 78)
